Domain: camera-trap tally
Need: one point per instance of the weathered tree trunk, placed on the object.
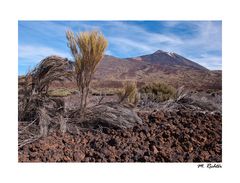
(44, 121)
(110, 115)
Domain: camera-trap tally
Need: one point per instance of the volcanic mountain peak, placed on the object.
(159, 51)
(158, 61)
(171, 54)
(170, 59)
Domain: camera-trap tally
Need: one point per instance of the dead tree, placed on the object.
(34, 100)
(52, 68)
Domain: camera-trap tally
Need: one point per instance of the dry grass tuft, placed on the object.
(61, 92)
(129, 93)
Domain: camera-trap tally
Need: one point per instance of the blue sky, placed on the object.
(200, 41)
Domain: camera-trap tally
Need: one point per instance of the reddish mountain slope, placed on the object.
(158, 67)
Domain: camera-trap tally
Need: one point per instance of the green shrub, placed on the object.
(158, 92)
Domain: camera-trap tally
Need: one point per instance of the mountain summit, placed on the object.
(169, 59)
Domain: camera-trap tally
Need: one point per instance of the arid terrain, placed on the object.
(179, 122)
(183, 136)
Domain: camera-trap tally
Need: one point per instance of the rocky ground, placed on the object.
(177, 136)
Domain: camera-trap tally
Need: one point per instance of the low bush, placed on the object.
(61, 92)
(158, 92)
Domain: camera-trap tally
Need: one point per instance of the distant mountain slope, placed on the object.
(157, 67)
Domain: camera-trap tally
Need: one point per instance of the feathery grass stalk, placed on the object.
(87, 49)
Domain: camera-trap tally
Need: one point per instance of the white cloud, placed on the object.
(32, 54)
(208, 38)
(126, 38)
(127, 45)
(108, 52)
(136, 32)
(210, 62)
